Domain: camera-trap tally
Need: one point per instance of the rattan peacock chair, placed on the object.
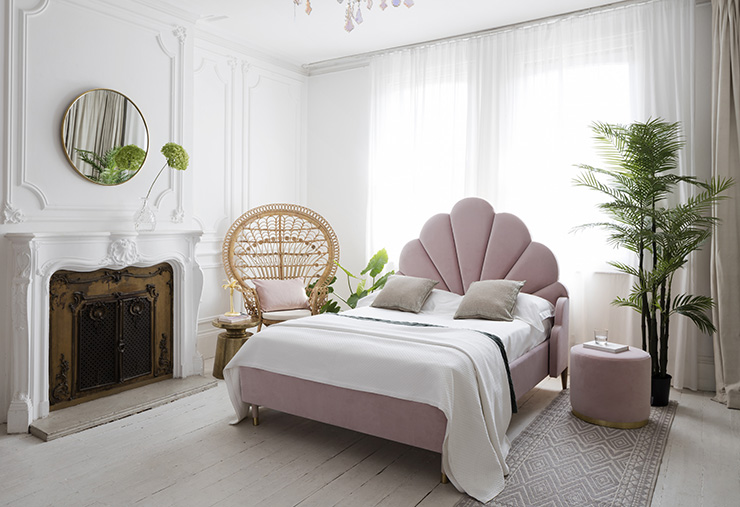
(280, 242)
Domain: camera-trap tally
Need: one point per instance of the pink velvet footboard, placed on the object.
(408, 422)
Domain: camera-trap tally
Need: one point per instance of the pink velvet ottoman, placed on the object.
(610, 389)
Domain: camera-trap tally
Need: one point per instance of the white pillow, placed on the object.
(363, 302)
(533, 310)
(442, 302)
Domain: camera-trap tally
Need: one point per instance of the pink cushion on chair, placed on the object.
(278, 295)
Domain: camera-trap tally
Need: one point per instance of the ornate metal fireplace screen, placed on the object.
(110, 330)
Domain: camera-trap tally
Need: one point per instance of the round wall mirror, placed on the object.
(96, 127)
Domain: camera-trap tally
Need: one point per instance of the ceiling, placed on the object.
(280, 29)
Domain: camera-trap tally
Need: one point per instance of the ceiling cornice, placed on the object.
(185, 15)
(248, 50)
(362, 60)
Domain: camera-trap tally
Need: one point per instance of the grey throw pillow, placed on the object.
(405, 293)
(489, 299)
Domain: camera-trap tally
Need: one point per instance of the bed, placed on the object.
(424, 379)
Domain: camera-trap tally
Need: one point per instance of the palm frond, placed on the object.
(695, 308)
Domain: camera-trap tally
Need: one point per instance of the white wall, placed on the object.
(248, 140)
(240, 118)
(338, 135)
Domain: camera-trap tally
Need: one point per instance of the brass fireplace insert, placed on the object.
(110, 330)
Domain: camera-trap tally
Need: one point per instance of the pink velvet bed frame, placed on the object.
(470, 243)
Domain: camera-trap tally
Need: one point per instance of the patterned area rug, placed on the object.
(560, 460)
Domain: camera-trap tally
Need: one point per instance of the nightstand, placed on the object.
(229, 342)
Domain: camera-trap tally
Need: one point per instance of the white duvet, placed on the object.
(459, 371)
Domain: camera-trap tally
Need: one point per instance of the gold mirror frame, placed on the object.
(96, 122)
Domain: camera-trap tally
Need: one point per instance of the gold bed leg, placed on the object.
(255, 415)
(444, 479)
(564, 377)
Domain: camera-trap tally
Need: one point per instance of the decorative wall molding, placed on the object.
(12, 215)
(178, 106)
(224, 68)
(18, 412)
(175, 56)
(121, 253)
(178, 215)
(169, 9)
(16, 42)
(270, 62)
(180, 33)
(255, 81)
(19, 14)
(39, 255)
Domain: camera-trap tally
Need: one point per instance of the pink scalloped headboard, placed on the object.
(472, 243)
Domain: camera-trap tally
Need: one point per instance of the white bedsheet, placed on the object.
(517, 336)
(459, 371)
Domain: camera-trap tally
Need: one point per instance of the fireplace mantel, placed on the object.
(37, 256)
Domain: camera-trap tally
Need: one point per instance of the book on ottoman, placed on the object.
(606, 346)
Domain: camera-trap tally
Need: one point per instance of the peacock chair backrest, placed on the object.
(280, 242)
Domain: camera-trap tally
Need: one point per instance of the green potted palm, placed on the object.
(639, 183)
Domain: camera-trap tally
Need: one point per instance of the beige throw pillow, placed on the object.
(404, 293)
(489, 299)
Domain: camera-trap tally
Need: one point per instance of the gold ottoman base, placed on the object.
(608, 424)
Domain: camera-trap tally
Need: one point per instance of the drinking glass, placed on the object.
(601, 336)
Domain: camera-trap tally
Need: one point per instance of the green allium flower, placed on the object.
(177, 157)
(129, 157)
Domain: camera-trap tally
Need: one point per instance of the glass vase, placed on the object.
(144, 218)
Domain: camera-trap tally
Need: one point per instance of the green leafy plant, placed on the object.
(363, 285)
(639, 182)
(115, 166)
(97, 162)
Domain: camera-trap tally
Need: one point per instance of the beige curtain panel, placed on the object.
(726, 163)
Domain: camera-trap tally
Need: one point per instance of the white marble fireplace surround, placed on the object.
(37, 256)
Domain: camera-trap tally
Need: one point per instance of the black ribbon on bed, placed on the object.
(493, 337)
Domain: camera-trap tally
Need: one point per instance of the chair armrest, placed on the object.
(251, 301)
(317, 298)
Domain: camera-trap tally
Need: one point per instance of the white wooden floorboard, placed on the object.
(701, 465)
(186, 453)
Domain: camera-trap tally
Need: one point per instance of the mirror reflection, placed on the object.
(105, 136)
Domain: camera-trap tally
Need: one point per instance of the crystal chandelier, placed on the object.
(354, 12)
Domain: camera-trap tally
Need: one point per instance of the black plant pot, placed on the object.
(660, 391)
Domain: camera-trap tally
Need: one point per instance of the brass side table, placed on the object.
(229, 342)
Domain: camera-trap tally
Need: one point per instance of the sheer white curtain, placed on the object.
(506, 116)
(726, 164)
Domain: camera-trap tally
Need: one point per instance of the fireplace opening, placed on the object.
(110, 330)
